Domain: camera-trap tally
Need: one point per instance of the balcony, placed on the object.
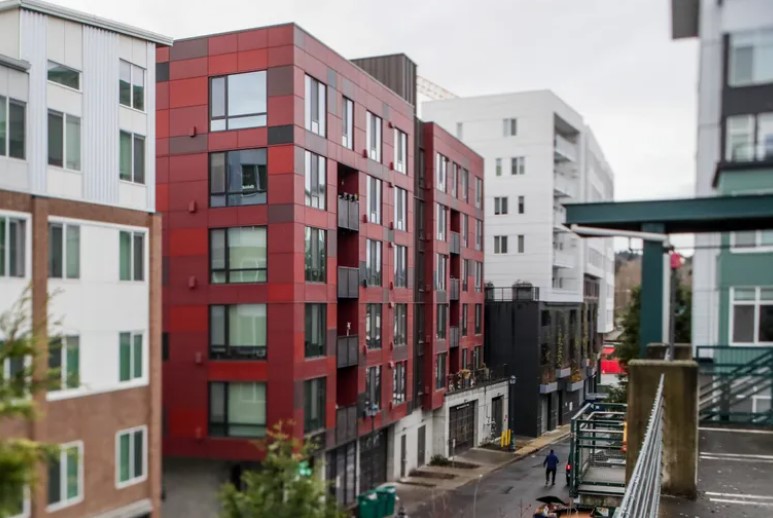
(348, 282)
(565, 150)
(348, 212)
(563, 259)
(453, 289)
(346, 424)
(559, 218)
(563, 187)
(455, 246)
(525, 292)
(347, 352)
(469, 379)
(453, 337)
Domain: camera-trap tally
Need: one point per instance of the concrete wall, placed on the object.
(409, 427)
(191, 487)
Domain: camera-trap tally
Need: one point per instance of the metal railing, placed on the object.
(642, 495)
(514, 293)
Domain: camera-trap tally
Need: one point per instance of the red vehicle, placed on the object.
(609, 364)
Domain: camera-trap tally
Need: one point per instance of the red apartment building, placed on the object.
(293, 262)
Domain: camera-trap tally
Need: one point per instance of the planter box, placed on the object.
(547, 388)
(574, 386)
(563, 373)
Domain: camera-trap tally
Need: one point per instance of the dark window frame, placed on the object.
(312, 425)
(315, 272)
(260, 192)
(226, 424)
(375, 332)
(226, 118)
(235, 352)
(310, 348)
(227, 259)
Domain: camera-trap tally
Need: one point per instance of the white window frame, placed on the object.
(142, 378)
(5, 151)
(478, 192)
(478, 234)
(144, 476)
(754, 40)
(26, 505)
(498, 167)
(64, 250)
(315, 89)
(401, 151)
(63, 366)
(517, 165)
(63, 478)
(80, 76)
(500, 245)
(500, 205)
(441, 217)
(145, 87)
(401, 209)
(315, 186)
(347, 124)
(5, 218)
(510, 127)
(441, 272)
(756, 248)
(375, 196)
(133, 234)
(373, 130)
(132, 166)
(67, 117)
(441, 172)
(755, 303)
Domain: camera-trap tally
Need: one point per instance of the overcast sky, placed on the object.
(612, 60)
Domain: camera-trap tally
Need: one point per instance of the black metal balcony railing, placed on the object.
(453, 337)
(346, 424)
(348, 282)
(453, 289)
(514, 293)
(347, 352)
(348, 212)
(470, 379)
(455, 246)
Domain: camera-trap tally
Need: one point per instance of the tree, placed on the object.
(19, 457)
(283, 486)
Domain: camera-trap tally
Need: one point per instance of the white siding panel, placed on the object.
(150, 141)
(33, 49)
(9, 33)
(55, 39)
(100, 116)
(73, 45)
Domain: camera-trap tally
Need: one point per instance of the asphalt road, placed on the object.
(510, 492)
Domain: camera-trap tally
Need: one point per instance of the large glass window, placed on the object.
(373, 326)
(398, 382)
(64, 140)
(64, 363)
(401, 209)
(373, 125)
(442, 321)
(401, 266)
(751, 57)
(752, 240)
(13, 127)
(315, 338)
(316, 255)
(751, 318)
(373, 262)
(130, 356)
(441, 171)
(237, 331)
(401, 324)
(374, 199)
(237, 101)
(65, 476)
(441, 216)
(131, 157)
(63, 75)
(749, 137)
(440, 370)
(238, 178)
(373, 386)
(441, 271)
(401, 151)
(13, 247)
(131, 86)
(314, 395)
(131, 456)
(64, 255)
(347, 122)
(316, 110)
(237, 409)
(131, 256)
(315, 180)
(237, 255)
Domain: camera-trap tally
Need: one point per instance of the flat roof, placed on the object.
(678, 216)
(85, 19)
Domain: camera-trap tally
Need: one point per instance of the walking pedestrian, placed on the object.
(550, 464)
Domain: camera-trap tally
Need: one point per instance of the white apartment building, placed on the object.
(539, 156)
(78, 229)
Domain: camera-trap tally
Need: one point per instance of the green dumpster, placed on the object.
(387, 495)
(368, 505)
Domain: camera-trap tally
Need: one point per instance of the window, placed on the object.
(478, 275)
(315, 338)
(314, 396)
(237, 409)
(130, 356)
(478, 234)
(465, 273)
(373, 326)
(316, 110)
(751, 58)
(440, 370)
(131, 157)
(510, 127)
(441, 216)
(237, 101)
(465, 318)
(441, 171)
(401, 266)
(237, 331)
(500, 244)
(13, 237)
(373, 136)
(238, 178)
(752, 241)
(499, 167)
(751, 318)
(465, 184)
(65, 76)
(347, 122)
(749, 137)
(477, 357)
(13, 127)
(401, 151)
(132, 256)
(520, 243)
(500, 205)
(401, 209)
(478, 193)
(64, 140)
(465, 230)
(517, 165)
(374, 199)
(442, 321)
(373, 262)
(316, 255)
(315, 180)
(64, 255)
(64, 363)
(459, 130)
(131, 86)
(441, 270)
(401, 324)
(131, 456)
(521, 205)
(373, 386)
(18, 502)
(237, 255)
(453, 179)
(65, 476)
(478, 318)
(398, 383)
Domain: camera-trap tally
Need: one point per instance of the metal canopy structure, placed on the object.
(688, 215)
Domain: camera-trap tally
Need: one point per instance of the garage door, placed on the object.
(461, 431)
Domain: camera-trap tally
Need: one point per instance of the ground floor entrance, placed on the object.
(461, 427)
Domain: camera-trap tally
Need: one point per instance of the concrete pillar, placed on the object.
(652, 283)
(680, 420)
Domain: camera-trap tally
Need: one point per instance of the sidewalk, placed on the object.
(430, 482)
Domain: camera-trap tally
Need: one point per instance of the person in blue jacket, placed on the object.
(550, 464)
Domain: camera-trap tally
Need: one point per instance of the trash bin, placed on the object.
(387, 495)
(368, 505)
